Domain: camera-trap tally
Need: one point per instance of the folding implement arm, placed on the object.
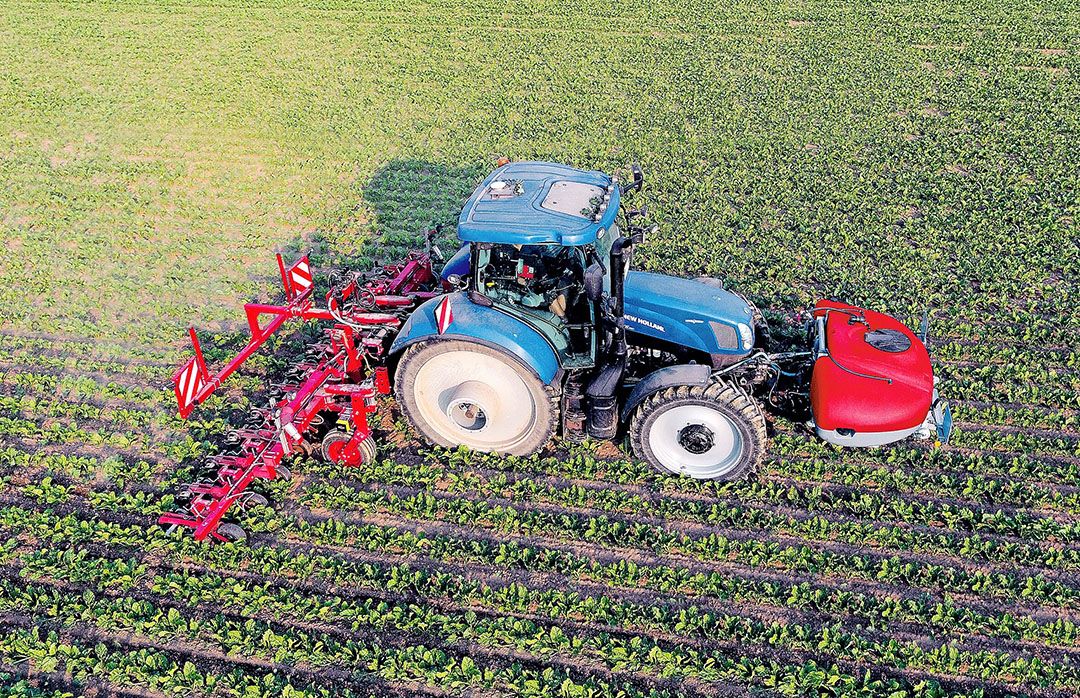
(336, 387)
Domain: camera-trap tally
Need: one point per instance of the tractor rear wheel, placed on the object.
(458, 393)
(710, 432)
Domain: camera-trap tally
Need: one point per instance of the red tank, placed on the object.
(872, 381)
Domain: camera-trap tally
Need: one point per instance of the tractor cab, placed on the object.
(538, 238)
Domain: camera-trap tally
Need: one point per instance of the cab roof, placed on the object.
(535, 203)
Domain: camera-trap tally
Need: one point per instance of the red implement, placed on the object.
(335, 389)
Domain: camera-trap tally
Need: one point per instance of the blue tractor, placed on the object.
(545, 329)
(538, 325)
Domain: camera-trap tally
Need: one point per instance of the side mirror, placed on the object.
(638, 180)
(639, 234)
(635, 213)
(594, 282)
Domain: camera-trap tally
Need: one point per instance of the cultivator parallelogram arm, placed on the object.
(325, 403)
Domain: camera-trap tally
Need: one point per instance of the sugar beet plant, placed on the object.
(899, 156)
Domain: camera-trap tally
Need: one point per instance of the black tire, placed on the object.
(283, 473)
(523, 410)
(232, 532)
(254, 499)
(712, 416)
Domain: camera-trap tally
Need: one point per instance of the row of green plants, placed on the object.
(985, 491)
(851, 500)
(13, 687)
(126, 353)
(982, 353)
(78, 467)
(1019, 442)
(51, 431)
(711, 547)
(82, 365)
(399, 660)
(58, 432)
(637, 653)
(86, 662)
(33, 406)
(877, 610)
(1030, 417)
(626, 530)
(750, 503)
(786, 557)
(900, 467)
(76, 386)
(1022, 383)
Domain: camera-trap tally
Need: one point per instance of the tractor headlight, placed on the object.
(746, 335)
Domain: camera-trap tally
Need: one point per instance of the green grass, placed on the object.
(154, 155)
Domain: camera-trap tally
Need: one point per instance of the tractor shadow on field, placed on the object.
(390, 213)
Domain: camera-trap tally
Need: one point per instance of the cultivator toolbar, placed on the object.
(327, 396)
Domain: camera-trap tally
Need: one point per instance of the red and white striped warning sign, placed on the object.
(188, 381)
(444, 315)
(300, 275)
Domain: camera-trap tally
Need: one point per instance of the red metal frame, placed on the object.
(337, 383)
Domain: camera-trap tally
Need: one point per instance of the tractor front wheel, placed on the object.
(458, 393)
(712, 432)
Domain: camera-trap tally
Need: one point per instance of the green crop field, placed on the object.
(900, 155)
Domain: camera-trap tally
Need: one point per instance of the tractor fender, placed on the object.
(666, 377)
(482, 325)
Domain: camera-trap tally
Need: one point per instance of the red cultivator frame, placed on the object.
(330, 395)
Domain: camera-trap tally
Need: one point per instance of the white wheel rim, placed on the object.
(475, 400)
(695, 440)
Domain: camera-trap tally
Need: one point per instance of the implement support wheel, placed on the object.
(232, 532)
(333, 448)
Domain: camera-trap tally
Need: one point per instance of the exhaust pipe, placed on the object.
(602, 407)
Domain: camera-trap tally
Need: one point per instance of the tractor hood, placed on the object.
(688, 313)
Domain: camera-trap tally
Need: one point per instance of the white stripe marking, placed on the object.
(192, 380)
(181, 384)
(300, 280)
